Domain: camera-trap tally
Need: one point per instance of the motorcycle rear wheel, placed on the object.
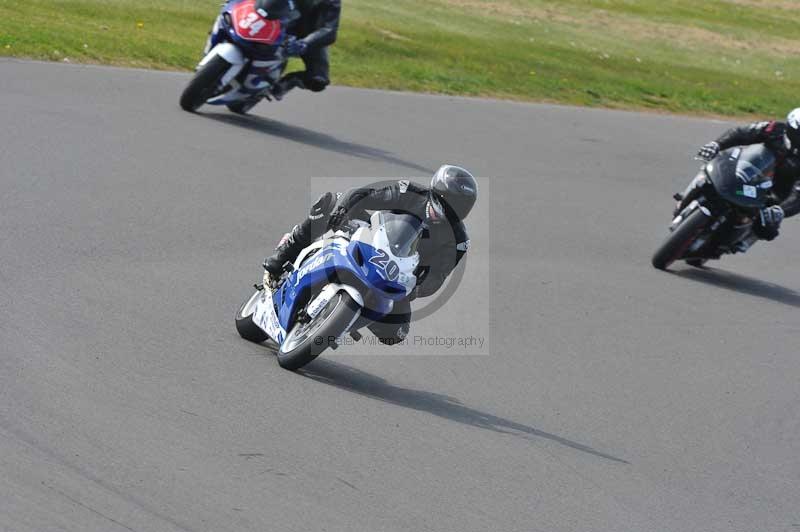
(679, 241)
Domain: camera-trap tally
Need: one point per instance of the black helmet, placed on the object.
(274, 9)
(456, 188)
(793, 128)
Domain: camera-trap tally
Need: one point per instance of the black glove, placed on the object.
(708, 151)
(338, 219)
(771, 216)
(768, 223)
(322, 207)
(295, 47)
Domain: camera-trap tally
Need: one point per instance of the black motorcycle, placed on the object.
(716, 213)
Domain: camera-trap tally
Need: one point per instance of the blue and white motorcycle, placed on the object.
(339, 284)
(244, 56)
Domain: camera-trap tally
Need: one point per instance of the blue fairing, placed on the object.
(381, 279)
(217, 32)
(338, 264)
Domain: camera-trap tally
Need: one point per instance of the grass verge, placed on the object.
(725, 57)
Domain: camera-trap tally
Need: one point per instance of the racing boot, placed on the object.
(393, 328)
(288, 249)
(284, 85)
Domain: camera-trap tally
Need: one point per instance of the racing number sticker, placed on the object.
(252, 22)
(382, 260)
(251, 26)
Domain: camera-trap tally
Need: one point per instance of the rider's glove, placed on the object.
(708, 152)
(269, 280)
(771, 216)
(296, 47)
(338, 218)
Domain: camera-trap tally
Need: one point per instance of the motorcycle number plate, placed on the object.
(249, 25)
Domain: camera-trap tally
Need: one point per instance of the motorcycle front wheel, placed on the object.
(204, 84)
(244, 321)
(676, 244)
(305, 341)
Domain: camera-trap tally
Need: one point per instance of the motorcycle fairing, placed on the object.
(256, 60)
(363, 264)
(743, 175)
(259, 77)
(250, 26)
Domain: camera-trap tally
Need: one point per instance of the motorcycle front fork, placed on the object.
(691, 193)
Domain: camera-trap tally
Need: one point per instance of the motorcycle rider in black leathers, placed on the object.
(442, 207)
(310, 37)
(783, 138)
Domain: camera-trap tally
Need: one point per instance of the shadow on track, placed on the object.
(313, 138)
(366, 384)
(742, 284)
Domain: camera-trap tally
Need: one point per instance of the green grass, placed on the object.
(726, 57)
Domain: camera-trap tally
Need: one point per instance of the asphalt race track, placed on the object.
(614, 397)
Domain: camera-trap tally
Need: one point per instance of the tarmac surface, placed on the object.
(609, 396)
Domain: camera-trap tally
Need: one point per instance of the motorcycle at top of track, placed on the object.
(339, 284)
(716, 213)
(243, 57)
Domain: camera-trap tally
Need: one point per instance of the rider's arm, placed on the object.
(366, 198)
(402, 195)
(462, 241)
(791, 205)
(436, 276)
(751, 134)
(328, 25)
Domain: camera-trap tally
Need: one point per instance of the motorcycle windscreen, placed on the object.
(403, 232)
(743, 175)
